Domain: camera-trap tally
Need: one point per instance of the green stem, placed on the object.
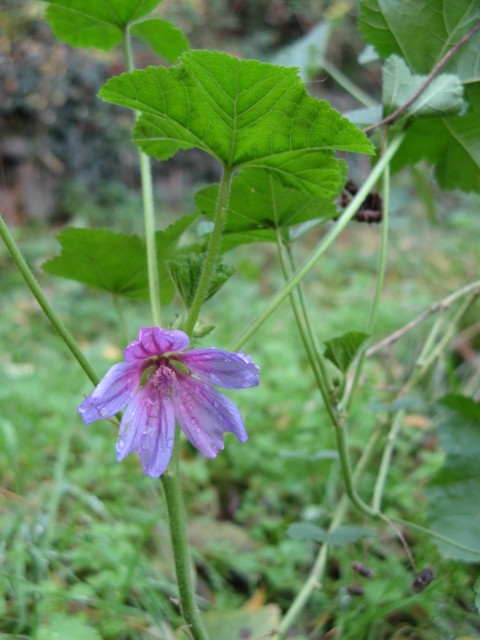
(306, 335)
(329, 238)
(148, 209)
(212, 251)
(316, 574)
(382, 267)
(181, 553)
(386, 460)
(171, 478)
(44, 304)
(319, 359)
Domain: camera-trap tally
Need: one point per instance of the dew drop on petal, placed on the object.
(121, 444)
(197, 430)
(170, 442)
(102, 411)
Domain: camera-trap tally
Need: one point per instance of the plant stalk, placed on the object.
(329, 238)
(148, 208)
(212, 250)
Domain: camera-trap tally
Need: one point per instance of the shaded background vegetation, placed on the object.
(84, 549)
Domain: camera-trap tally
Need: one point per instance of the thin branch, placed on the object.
(440, 305)
(436, 69)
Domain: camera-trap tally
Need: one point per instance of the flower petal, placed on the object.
(204, 415)
(148, 427)
(152, 341)
(229, 370)
(112, 393)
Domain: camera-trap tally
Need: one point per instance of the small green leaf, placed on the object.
(115, 262)
(243, 112)
(443, 96)
(185, 271)
(453, 493)
(259, 201)
(339, 536)
(344, 349)
(94, 23)
(463, 405)
(162, 37)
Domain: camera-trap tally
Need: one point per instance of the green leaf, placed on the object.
(185, 271)
(453, 493)
(342, 535)
(162, 37)
(243, 112)
(344, 349)
(442, 97)
(451, 144)
(94, 23)
(421, 31)
(258, 201)
(115, 262)
(463, 405)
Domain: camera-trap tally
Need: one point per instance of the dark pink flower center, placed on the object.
(163, 379)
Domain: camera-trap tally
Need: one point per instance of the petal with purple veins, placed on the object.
(204, 415)
(229, 370)
(152, 341)
(113, 392)
(148, 427)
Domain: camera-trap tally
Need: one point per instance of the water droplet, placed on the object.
(198, 430)
(170, 442)
(103, 411)
(121, 444)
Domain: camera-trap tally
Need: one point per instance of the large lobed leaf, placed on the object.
(116, 262)
(453, 492)
(422, 31)
(258, 201)
(243, 112)
(101, 24)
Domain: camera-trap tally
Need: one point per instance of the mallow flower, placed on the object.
(159, 384)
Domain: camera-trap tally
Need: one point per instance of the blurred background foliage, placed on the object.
(83, 548)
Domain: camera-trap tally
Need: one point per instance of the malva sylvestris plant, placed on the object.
(276, 147)
(156, 385)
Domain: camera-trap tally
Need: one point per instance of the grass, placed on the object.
(84, 546)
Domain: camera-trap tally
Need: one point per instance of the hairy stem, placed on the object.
(181, 553)
(212, 251)
(171, 478)
(44, 304)
(328, 240)
(148, 209)
(306, 335)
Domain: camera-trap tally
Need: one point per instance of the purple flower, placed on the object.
(160, 382)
